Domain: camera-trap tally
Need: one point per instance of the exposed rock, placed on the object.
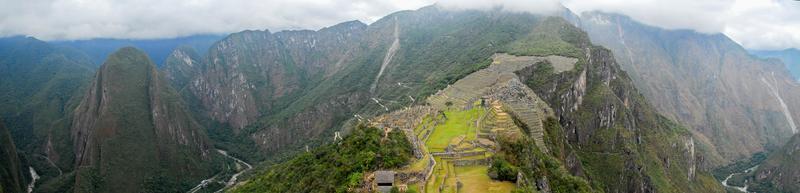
(254, 73)
(131, 120)
(706, 81)
(12, 179)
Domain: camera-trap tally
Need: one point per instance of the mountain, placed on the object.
(132, 133)
(790, 57)
(599, 133)
(40, 84)
(780, 171)
(736, 104)
(158, 49)
(12, 172)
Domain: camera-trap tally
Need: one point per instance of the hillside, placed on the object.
(132, 132)
(12, 172)
(735, 103)
(40, 84)
(601, 132)
(335, 167)
(779, 172)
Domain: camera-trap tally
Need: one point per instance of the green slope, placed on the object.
(334, 167)
(40, 85)
(132, 132)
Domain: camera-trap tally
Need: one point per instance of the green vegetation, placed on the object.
(502, 170)
(474, 180)
(548, 38)
(722, 172)
(534, 164)
(335, 167)
(458, 124)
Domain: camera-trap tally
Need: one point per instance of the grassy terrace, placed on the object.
(458, 128)
(459, 124)
(474, 179)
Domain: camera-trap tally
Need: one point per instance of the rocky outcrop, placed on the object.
(255, 73)
(12, 177)
(131, 128)
(620, 140)
(181, 66)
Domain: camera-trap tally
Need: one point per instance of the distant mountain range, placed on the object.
(158, 49)
(790, 57)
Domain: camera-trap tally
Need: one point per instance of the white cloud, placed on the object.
(756, 24)
(760, 24)
(546, 7)
(139, 19)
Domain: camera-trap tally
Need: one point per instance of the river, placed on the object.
(230, 182)
(741, 189)
(34, 177)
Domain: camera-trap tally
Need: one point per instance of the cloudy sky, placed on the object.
(756, 24)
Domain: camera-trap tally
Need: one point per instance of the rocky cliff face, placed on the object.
(12, 175)
(734, 102)
(181, 66)
(131, 130)
(613, 135)
(255, 73)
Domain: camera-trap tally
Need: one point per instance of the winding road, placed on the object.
(230, 182)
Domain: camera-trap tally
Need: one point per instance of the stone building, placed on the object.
(384, 180)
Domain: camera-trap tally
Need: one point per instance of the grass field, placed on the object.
(474, 179)
(458, 124)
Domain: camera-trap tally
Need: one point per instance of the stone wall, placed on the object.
(472, 162)
(457, 154)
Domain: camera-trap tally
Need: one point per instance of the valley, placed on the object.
(739, 188)
(438, 99)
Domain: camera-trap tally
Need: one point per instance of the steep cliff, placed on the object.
(735, 103)
(132, 133)
(40, 85)
(255, 73)
(12, 178)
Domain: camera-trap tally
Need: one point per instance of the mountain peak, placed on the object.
(128, 56)
(130, 113)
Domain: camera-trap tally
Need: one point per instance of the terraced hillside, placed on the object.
(457, 133)
(499, 82)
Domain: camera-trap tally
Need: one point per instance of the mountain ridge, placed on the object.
(708, 82)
